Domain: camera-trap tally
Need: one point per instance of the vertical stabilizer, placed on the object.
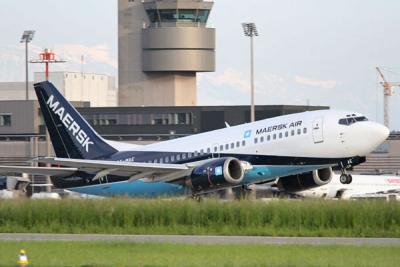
(70, 133)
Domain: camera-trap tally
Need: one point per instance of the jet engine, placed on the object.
(217, 173)
(305, 181)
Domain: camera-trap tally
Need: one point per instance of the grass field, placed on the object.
(95, 254)
(276, 218)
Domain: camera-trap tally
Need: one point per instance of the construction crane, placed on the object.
(387, 91)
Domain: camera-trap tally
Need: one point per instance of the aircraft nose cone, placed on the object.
(381, 132)
(376, 134)
(364, 138)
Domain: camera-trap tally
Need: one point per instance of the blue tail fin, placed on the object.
(71, 135)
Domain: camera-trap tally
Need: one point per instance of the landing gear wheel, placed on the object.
(196, 197)
(246, 193)
(345, 178)
(349, 179)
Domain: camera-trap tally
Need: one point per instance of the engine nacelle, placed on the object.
(305, 181)
(216, 174)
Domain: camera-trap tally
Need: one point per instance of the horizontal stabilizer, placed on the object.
(51, 171)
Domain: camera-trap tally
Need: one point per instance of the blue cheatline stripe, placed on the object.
(137, 188)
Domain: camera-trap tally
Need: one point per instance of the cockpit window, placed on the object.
(351, 120)
(361, 118)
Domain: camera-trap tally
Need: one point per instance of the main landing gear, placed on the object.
(345, 178)
(196, 197)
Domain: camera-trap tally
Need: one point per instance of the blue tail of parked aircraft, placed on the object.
(71, 135)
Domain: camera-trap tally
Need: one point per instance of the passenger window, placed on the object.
(298, 131)
(274, 136)
(184, 156)
(196, 153)
(262, 139)
(161, 160)
(243, 143)
(255, 140)
(172, 158)
(202, 152)
(286, 134)
(304, 130)
(178, 157)
(166, 159)
(280, 135)
(232, 145)
(221, 147)
(215, 149)
(227, 146)
(208, 150)
(237, 144)
(268, 137)
(292, 132)
(190, 155)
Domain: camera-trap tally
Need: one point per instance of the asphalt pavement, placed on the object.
(191, 239)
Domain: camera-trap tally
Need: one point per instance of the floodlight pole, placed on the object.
(250, 30)
(26, 38)
(26, 71)
(252, 109)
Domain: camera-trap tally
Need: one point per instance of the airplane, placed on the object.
(363, 186)
(301, 148)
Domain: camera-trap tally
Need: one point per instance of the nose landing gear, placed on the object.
(345, 178)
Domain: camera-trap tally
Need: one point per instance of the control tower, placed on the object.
(162, 45)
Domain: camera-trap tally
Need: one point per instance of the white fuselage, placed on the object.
(314, 134)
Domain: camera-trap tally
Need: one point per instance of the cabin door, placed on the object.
(318, 130)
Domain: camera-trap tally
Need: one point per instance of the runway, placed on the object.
(188, 239)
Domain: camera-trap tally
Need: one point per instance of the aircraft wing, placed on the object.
(150, 172)
(52, 171)
(134, 170)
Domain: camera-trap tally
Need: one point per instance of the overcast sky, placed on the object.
(321, 52)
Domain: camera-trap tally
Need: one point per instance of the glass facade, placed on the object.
(178, 15)
(203, 15)
(5, 120)
(189, 15)
(168, 15)
(153, 15)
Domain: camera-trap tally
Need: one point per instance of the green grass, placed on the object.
(276, 218)
(121, 254)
